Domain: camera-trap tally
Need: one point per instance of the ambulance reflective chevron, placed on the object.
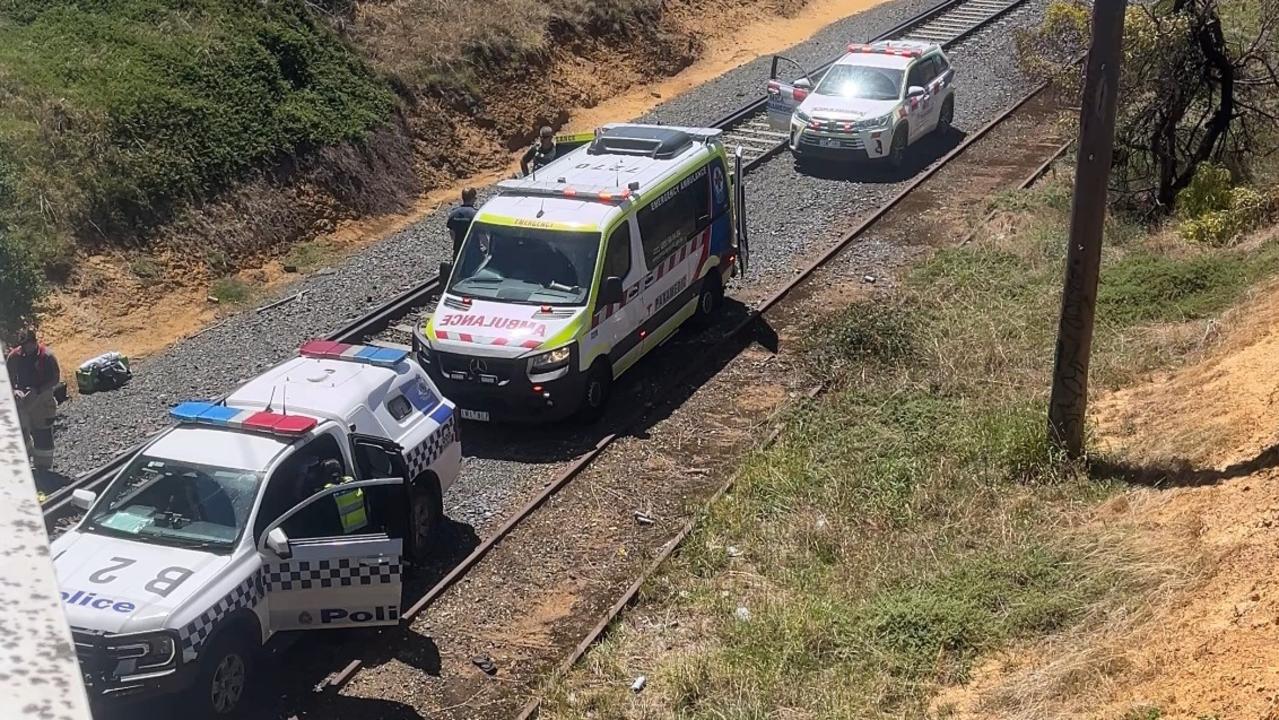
(567, 279)
(225, 530)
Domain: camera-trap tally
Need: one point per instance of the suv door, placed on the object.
(924, 110)
(783, 95)
(334, 581)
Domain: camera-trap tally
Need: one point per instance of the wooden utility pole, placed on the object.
(1069, 402)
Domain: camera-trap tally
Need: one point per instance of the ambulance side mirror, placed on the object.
(83, 499)
(446, 270)
(278, 542)
(611, 292)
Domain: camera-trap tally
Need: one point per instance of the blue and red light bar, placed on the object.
(367, 354)
(213, 414)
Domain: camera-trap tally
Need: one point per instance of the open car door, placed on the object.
(788, 86)
(335, 581)
(739, 207)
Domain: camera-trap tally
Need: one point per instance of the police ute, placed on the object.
(293, 504)
(569, 276)
(873, 103)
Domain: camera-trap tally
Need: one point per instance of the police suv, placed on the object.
(873, 102)
(291, 505)
(568, 277)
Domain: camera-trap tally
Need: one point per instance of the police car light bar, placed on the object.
(911, 51)
(207, 413)
(367, 354)
(560, 189)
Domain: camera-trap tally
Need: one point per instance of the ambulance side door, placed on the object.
(676, 238)
(615, 327)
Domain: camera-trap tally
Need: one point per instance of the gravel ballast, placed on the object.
(792, 215)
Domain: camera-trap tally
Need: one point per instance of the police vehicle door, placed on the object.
(615, 328)
(783, 95)
(923, 110)
(318, 583)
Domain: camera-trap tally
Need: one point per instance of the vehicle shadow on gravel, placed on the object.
(644, 387)
(918, 157)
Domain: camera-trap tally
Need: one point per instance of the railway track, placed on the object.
(945, 24)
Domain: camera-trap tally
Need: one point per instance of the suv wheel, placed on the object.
(947, 116)
(897, 151)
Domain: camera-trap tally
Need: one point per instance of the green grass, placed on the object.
(231, 291)
(311, 255)
(114, 111)
(915, 518)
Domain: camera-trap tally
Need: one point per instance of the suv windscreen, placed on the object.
(859, 82)
(172, 502)
(526, 265)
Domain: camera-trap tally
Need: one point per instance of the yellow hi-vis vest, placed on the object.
(351, 508)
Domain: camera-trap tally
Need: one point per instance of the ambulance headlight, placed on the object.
(548, 361)
(149, 652)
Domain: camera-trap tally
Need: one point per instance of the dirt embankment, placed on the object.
(1200, 444)
(449, 132)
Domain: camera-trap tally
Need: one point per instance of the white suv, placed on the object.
(874, 102)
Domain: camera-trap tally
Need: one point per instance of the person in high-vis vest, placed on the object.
(352, 510)
(33, 371)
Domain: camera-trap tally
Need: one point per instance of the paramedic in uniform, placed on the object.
(33, 370)
(460, 218)
(541, 153)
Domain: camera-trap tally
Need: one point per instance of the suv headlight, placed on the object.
(143, 653)
(876, 123)
(548, 361)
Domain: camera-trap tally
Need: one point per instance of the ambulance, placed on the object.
(292, 505)
(569, 276)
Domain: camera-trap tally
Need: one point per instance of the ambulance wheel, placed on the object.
(222, 682)
(595, 396)
(947, 117)
(427, 507)
(709, 299)
(897, 152)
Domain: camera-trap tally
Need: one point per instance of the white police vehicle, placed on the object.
(226, 529)
(874, 102)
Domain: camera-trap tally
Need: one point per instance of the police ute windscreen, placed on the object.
(526, 265)
(861, 83)
(173, 502)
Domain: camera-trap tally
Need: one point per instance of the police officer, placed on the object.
(33, 371)
(541, 152)
(351, 508)
(460, 218)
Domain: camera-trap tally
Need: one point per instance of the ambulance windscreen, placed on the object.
(859, 82)
(537, 266)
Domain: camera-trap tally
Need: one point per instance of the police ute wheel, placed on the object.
(426, 509)
(897, 153)
(947, 117)
(595, 396)
(223, 680)
(709, 299)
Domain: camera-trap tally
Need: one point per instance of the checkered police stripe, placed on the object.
(245, 595)
(420, 457)
(344, 572)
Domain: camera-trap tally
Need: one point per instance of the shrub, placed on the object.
(21, 284)
(1214, 213)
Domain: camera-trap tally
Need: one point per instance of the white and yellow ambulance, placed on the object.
(569, 276)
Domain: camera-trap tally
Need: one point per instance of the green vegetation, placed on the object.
(914, 517)
(114, 111)
(231, 291)
(311, 255)
(21, 284)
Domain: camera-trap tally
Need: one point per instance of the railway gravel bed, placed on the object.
(544, 588)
